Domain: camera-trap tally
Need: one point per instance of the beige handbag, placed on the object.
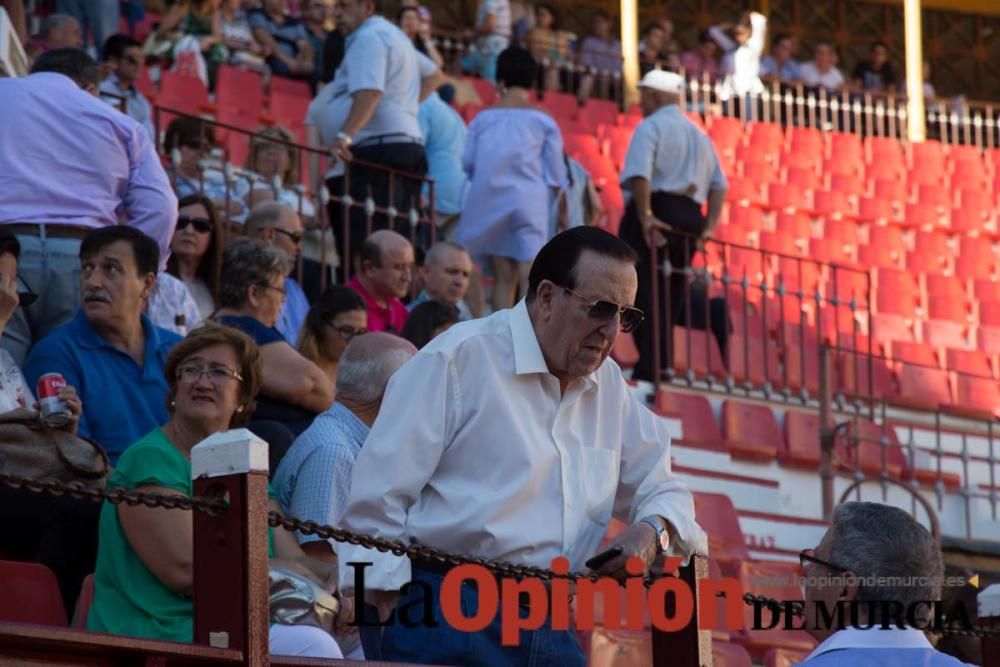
(29, 448)
(296, 600)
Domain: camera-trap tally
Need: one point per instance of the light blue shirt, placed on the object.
(875, 647)
(313, 480)
(293, 312)
(787, 72)
(68, 158)
(674, 155)
(136, 105)
(463, 309)
(378, 56)
(444, 140)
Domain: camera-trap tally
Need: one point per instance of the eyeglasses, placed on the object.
(279, 290)
(346, 332)
(809, 556)
(203, 225)
(604, 310)
(296, 237)
(192, 374)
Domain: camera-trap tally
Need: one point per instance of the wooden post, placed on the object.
(230, 550)
(690, 646)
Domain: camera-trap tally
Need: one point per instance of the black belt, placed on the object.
(442, 569)
(53, 230)
(392, 138)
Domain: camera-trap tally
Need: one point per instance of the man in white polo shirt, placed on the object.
(369, 113)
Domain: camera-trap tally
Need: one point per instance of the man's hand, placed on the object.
(654, 230)
(638, 540)
(342, 149)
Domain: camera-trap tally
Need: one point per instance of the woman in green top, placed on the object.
(142, 584)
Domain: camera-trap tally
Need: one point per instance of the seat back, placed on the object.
(751, 431)
(715, 513)
(29, 593)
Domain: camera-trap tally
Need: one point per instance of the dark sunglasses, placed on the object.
(602, 311)
(203, 225)
(809, 556)
(296, 237)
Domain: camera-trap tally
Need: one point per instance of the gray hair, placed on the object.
(874, 540)
(263, 215)
(367, 364)
(434, 254)
(53, 22)
(248, 262)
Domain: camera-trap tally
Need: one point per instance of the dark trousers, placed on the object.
(684, 215)
(57, 531)
(404, 157)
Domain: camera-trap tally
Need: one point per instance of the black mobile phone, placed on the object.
(598, 561)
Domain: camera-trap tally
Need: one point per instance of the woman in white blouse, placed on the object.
(195, 252)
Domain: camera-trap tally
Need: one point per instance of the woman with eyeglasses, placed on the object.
(338, 316)
(195, 251)
(294, 389)
(143, 579)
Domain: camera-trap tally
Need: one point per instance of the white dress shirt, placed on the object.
(741, 63)
(831, 79)
(891, 647)
(476, 452)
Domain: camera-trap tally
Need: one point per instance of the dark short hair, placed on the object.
(425, 318)
(9, 244)
(516, 68)
(115, 46)
(780, 37)
(250, 361)
(335, 300)
(370, 252)
(705, 36)
(210, 265)
(601, 14)
(557, 260)
(74, 63)
(402, 12)
(879, 43)
(650, 27)
(144, 249)
(186, 130)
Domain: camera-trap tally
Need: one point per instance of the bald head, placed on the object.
(386, 264)
(367, 364)
(61, 31)
(276, 224)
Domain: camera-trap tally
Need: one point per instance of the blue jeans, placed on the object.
(51, 268)
(444, 645)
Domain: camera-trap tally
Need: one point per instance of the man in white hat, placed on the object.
(671, 169)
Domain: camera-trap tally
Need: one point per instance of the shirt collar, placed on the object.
(340, 412)
(87, 336)
(891, 638)
(355, 284)
(528, 357)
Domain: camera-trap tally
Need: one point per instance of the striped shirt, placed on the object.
(313, 480)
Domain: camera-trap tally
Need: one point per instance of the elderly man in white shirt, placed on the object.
(867, 542)
(516, 438)
(670, 171)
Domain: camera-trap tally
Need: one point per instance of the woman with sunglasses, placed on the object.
(188, 143)
(338, 316)
(195, 251)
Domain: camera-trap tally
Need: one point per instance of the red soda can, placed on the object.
(55, 412)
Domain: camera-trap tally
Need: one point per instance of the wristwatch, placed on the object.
(345, 137)
(662, 536)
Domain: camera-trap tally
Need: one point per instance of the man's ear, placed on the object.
(850, 587)
(148, 285)
(545, 294)
(92, 89)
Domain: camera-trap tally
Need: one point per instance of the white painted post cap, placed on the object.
(232, 452)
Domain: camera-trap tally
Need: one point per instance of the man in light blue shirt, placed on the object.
(70, 164)
(872, 555)
(444, 141)
(446, 273)
(281, 227)
(124, 56)
(671, 170)
(781, 64)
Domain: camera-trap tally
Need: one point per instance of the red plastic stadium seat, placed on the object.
(831, 204)
(486, 91)
(796, 225)
(986, 290)
(779, 242)
(847, 184)
(751, 431)
(976, 259)
(920, 216)
(947, 309)
(805, 178)
(616, 648)
(725, 654)
(977, 394)
(785, 197)
(806, 139)
(82, 609)
(753, 360)
(944, 333)
(624, 351)
(562, 105)
(743, 191)
(912, 353)
(698, 352)
(182, 93)
(989, 313)
(988, 340)
(890, 190)
(936, 196)
(595, 112)
(968, 362)
(902, 283)
(29, 593)
(762, 578)
(927, 155)
(715, 513)
(237, 88)
(866, 450)
(946, 287)
(865, 376)
(289, 109)
(923, 387)
(286, 86)
(874, 209)
(846, 146)
(801, 441)
(698, 425)
(779, 657)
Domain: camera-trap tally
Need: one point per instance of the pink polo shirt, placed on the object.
(381, 319)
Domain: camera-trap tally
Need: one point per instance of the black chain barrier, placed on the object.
(414, 551)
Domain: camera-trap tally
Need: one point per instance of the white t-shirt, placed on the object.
(831, 79)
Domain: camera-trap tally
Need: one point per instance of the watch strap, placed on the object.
(661, 531)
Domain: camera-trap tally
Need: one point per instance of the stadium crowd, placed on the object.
(168, 296)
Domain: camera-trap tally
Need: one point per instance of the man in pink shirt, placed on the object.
(386, 273)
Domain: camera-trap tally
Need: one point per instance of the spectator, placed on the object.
(285, 40)
(314, 478)
(537, 373)
(195, 252)
(872, 543)
(649, 48)
(333, 54)
(53, 130)
(514, 160)
(112, 353)
(445, 275)
(601, 51)
(444, 135)
(59, 31)
(143, 581)
(418, 32)
(95, 19)
(237, 37)
(670, 171)
(428, 320)
(274, 166)
(370, 113)
(579, 204)
(331, 324)
(200, 20)
(385, 278)
(875, 75)
(188, 141)
(549, 46)
(171, 307)
(124, 56)
(493, 32)
(702, 61)
(822, 72)
(251, 295)
(280, 226)
(671, 50)
(315, 14)
(781, 64)
(56, 531)
(743, 48)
